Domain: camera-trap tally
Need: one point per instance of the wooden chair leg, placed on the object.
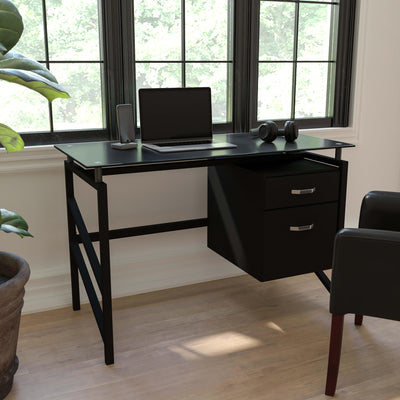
(334, 354)
(358, 319)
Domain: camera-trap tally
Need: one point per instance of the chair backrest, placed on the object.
(380, 210)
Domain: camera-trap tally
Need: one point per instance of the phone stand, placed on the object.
(124, 146)
(126, 130)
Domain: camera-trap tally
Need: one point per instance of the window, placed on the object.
(296, 62)
(64, 36)
(186, 43)
(298, 59)
(263, 59)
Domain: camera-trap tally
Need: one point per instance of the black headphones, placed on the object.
(268, 131)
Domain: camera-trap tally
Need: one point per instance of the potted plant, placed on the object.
(14, 271)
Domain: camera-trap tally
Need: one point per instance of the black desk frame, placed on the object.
(101, 268)
(78, 233)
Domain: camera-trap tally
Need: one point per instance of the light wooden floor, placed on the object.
(224, 340)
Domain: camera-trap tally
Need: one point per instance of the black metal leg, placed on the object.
(105, 272)
(324, 279)
(72, 238)
(358, 319)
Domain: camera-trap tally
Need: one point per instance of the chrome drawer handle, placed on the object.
(301, 228)
(303, 191)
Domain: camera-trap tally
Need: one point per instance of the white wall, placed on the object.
(375, 163)
(32, 184)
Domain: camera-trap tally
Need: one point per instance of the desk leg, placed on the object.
(104, 242)
(72, 237)
(324, 280)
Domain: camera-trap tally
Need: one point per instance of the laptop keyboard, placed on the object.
(184, 143)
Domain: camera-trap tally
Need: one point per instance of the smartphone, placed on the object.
(126, 130)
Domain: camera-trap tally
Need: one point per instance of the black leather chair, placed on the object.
(366, 271)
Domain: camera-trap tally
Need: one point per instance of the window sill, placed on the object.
(348, 135)
(30, 158)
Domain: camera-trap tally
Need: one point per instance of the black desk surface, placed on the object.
(101, 154)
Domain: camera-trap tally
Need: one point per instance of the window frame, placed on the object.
(217, 127)
(77, 135)
(342, 87)
(117, 47)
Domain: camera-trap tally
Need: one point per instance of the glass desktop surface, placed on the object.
(101, 154)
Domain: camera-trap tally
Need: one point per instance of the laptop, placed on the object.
(177, 119)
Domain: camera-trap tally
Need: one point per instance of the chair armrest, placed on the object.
(366, 273)
(380, 210)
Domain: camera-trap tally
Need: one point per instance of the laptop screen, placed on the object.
(175, 113)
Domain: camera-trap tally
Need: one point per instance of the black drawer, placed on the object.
(255, 221)
(297, 240)
(299, 190)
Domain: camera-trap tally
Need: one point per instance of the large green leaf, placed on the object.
(16, 68)
(13, 223)
(11, 26)
(10, 139)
